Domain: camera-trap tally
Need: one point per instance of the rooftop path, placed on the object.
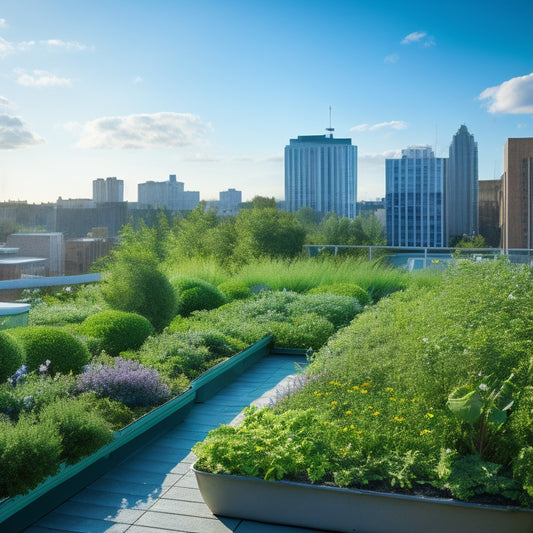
(154, 490)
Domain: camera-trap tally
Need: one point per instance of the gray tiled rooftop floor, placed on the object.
(154, 490)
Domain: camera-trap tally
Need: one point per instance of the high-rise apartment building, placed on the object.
(321, 173)
(169, 194)
(108, 190)
(415, 198)
(229, 202)
(517, 194)
(462, 196)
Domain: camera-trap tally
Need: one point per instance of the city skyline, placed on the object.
(211, 91)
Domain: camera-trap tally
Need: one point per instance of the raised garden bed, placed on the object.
(338, 509)
(20, 511)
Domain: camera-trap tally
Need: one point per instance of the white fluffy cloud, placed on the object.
(513, 96)
(3, 23)
(419, 37)
(41, 78)
(68, 45)
(14, 134)
(393, 125)
(143, 131)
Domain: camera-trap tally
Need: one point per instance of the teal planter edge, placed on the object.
(22, 510)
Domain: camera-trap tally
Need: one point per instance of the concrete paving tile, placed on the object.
(182, 507)
(183, 493)
(191, 524)
(138, 476)
(99, 512)
(247, 526)
(124, 487)
(91, 496)
(78, 524)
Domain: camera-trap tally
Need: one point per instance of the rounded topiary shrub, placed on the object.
(235, 290)
(344, 289)
(11, 356)
(29, 453)
(82, 431)
(65, 352)
(117, 331)
(195, 295)
(136, 285)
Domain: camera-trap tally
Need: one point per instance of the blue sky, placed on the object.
(212, 91)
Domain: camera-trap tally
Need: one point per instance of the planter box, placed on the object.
(20, 511)
(336, 509)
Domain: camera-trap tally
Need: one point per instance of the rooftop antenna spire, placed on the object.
(330, 129)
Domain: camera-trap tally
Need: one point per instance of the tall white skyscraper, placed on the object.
(415, 199)
(462, 197)
(321, 173)
(169, 194)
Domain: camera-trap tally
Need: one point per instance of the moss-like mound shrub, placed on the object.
(11, 356)
(117, 330)
(339, 310)
(306, 331)
(136, 285)
(344, 289)
(29, 453)
(196, 295)
(82, 431)
(65, 352)
(235, 290)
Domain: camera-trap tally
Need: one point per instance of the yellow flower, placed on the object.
(348, 412)
(359, 432)
(389, 389)
(430, 415)
(363, 391)
(370, 407)
(352, 426)
(399, 418)
(355, 387)
(345, 429)
(392, 399)
(333, 403)
(326, 423)
(425, 431)
(365, 384)
(375, 413)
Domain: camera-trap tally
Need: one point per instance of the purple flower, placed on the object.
(127, 381)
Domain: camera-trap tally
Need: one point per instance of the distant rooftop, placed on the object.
(319, 139)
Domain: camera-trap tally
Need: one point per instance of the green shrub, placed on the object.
(63, 313)
(306, 331)
(235, 290)
(117, 330)
(115, 413)
(344, 289)
(28, 453)
(136, 285)
(11, 356)
(339, 310)
(65, 352)
(195, 295)
(82, 431)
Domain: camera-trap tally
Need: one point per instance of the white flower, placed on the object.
(511, 297)
(484, 387)
(424, 339)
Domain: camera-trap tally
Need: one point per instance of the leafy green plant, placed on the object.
(29, 453)
(135, 284)
(117, 330)
(65, 352)
(195, 295)
(235, 290)
(82, 431)
(11, 356)
(344, 289)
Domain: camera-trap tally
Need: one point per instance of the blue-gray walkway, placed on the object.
(154, 490)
